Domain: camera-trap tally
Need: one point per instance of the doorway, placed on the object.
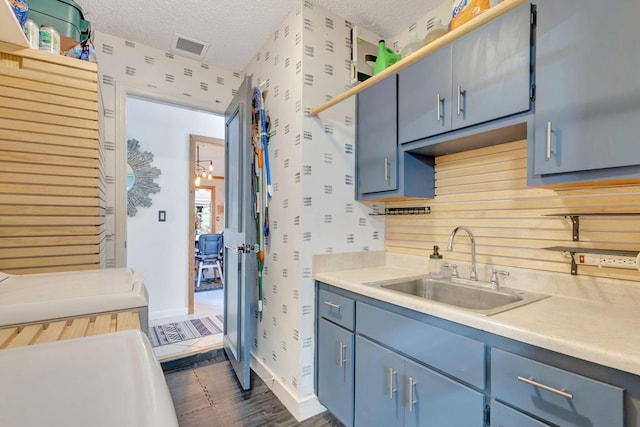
(206, 210)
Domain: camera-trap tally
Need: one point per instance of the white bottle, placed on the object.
(412, 45)
(435, 264)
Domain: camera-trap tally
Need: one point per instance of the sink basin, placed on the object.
(474, 298)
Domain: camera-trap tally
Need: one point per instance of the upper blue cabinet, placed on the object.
(480, 77)
(587, 108)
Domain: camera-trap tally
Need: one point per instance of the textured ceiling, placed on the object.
(236, 29)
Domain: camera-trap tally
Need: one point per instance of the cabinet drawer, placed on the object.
(446, 351)
(553, 394)
(504, 416)
(338, 309)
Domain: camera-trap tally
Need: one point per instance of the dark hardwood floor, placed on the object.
(206, 393)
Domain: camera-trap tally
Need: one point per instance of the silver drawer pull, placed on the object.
(341, 358)
(332, 305)
(547, 154)
(412, 401)
(534, 383)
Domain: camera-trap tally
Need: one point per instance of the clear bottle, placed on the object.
(435, 264)
(436, 29)
(412, 45)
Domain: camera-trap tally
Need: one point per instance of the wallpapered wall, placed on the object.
(313, 210)
(124, 64)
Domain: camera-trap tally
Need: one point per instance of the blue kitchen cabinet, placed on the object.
(555, 395)
(335, 354)
(504, 416)
(587, 108)
(377, 140)
(484, 75)
(394, 391)
(381, 172)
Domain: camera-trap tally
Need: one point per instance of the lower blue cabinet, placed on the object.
(335, 370)
(394, 391)
(503, 416)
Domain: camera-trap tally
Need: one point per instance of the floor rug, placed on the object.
(208, 285)
(171, 333)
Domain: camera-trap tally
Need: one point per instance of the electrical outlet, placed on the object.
(607, 260)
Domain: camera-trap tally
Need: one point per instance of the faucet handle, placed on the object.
(494, 277)
(454, 269)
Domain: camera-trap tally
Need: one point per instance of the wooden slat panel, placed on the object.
(35, 126)
(77, 329)
(127, 321)
(27, 252)
(40, 179)
(50, 190)
(26, 336)
(46, 230)
(18, 136)
(35, 80)
(16, 199)
(36, 117)
(102, 325)
(54, 97)
(24, 221)
(52, 333)
(14, 263)
(486, 190)
(47, 241)
(6, 335)
(9, 61)
(58, 110)
(55, 269)
(48, 68)
(8, 166)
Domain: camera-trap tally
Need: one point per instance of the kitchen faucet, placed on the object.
(474, 275)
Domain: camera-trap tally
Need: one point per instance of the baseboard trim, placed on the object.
(301, 409)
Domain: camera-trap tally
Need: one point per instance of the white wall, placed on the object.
(159, 249)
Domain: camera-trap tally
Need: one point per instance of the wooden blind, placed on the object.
(51, 189)
(486, 190)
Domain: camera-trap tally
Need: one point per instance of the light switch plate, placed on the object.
(162, 216)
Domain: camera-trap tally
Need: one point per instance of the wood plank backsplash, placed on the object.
(486, 190)
(51, 190)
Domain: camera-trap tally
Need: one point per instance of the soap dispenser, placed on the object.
(435, 264)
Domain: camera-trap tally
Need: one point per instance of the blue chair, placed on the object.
(209, 255)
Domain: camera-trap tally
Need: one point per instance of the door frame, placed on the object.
(193, 141)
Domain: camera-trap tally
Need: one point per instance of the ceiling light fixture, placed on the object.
(203, 168)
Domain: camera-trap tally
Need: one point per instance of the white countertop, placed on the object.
(601, 332)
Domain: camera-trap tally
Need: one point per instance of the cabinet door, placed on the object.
(492, 70)
(587, 109)
(378, 385)
(424, 97)
(335, 370)
(377, 138)
(435, 400)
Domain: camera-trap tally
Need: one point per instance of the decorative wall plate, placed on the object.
(140, 176)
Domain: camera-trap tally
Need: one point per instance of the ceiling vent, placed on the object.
(188, 46)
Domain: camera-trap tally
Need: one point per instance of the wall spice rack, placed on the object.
(575, 221)
(403, 211)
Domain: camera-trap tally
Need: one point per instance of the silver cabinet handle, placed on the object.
(461, 93)
(439, 101)
(412, 401)
(341, 358)
(534, 383)
(332, 305)
(386, 169)
(392, 389)
(548, 153)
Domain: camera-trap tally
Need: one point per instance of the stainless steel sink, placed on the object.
(470, 297)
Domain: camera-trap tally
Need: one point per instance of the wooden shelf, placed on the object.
(446, 39)
(10, 30)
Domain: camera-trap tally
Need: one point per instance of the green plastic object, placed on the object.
(385, 58)
(66, 16)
